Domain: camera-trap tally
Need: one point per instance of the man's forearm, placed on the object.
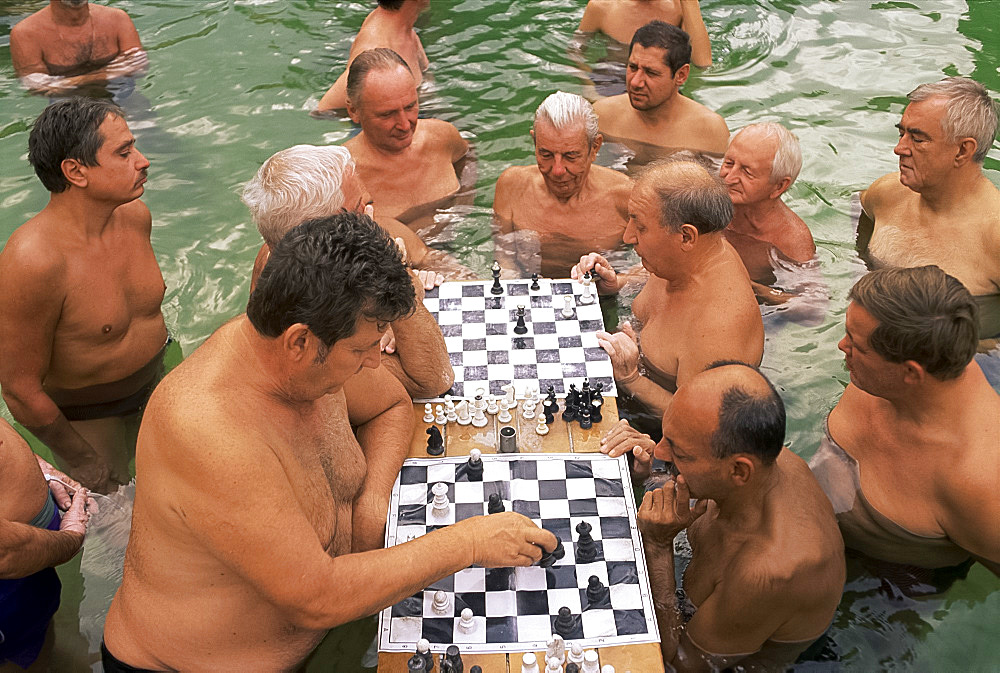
(423, 355)
(446, 265)
(385, 441)
(39, 414)
(25, 550)
(660, 562)
(650, 394)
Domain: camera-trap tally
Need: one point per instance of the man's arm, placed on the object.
(694, 25)
(421, 256)
(25, 549)
(463, 157)
(972, 511)
(381, 414)
(593, 17)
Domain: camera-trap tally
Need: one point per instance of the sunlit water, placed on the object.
(231, 82)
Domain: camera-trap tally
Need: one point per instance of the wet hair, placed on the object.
(564, 110)
(969, 111)
(67, 129)
(297, 184)
(328, 272)
(675, 42)
(787, 161)
(391, 5)
(380, 58)
(924, 315)
(689, 194)
(751, 420)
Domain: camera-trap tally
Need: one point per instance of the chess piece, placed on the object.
(428, 413)
(586, 548)
(504, 415)
(607, 668)
(440, 504)
(475, 465)
(495, 505)
(416, 664)
(588, 290)
(553, 665)
(478, 417)
(476, 669)
(541, 427)
(565, 623)
(441, 605)
(491, 405)
(450, 414)
(528, 410)
(569, 412)
(520, 327)
(497, 287)
(462, 411)
(511, 394)
(454, 658)
(556, 649)
(573, 667)
(439, 416)
(534, 283)
(596, 591)
(590, 663)
(424, 650)
(567, 310)
(467, 624)
(529, 663)
(586, 422)
(575, 654)
(435, 443)
(508, 439)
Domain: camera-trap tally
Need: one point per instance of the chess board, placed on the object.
(486, 353)
(515, 608)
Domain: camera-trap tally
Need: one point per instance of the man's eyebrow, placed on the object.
(913, 131)
(125, 145)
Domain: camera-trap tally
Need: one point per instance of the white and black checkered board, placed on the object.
(514, 608)
(478, 330)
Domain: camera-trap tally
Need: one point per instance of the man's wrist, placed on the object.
(630, 378)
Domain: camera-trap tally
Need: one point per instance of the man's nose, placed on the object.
(629, 235)
(558, 167)
(902, 147)
(843, 345)
(143, 162)
(728, 175)
(373, 358)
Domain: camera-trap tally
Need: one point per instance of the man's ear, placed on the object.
(74, 172)
(296, 342)
(353, 112)
(781, 187)
(689, 236)
(914, 372)
(742, 470)
(966, 150)
(598, 141)
(681, 76)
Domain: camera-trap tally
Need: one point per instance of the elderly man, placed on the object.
(258, 586)
(305, 182)
(767, 564)
(411, 169)
(759, 166)
(72, 43)
(389, 25)
(552, 213)
(82, 337)
(939, 208)
(696, 306)
(619, 19)
(34, 539)
(653, 111)
(909, 457)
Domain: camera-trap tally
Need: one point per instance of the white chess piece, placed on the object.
(491, 405)
(449, 411)
(479, 418)
(567, 311)
(439, 416)
(588, 291)
(528, 409)
(504, 415)
(590, 663)
(423, 646)
(529, 663)
(428, 413)
(462, 410)
(556, 649)
(541, 428)
(511, 395)
(467, 624)
(442, 605)
(553, 665)
(575, 655)
(440, 504)
(607, 668)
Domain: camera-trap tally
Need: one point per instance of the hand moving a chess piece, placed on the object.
(607, 280)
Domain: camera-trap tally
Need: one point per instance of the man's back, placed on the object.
(619, 20)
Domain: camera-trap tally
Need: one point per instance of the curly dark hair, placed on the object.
(672, 39)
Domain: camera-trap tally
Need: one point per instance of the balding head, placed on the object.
(371, 60)
(688, 194)
(780, 143)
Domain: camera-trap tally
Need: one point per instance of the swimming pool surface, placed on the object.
(231, 82)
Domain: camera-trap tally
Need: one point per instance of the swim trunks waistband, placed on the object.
(113, 665)
(44, 518)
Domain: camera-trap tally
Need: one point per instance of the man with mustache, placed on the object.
(72, 43)
(82, 337)
(653, 111)
(939, 208)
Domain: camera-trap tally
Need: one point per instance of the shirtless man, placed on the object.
(760, 165)
(696, 306)
(553, 213)
(72, 43)
(305, 182)
(34, 539)
(82, 337)
(619, 19)
(767, 561)
(939, 208)
(389, 25)
(653, 110)
(909, 457)
(410, 170)
(256, 584)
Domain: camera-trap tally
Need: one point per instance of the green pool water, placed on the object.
(231, 82)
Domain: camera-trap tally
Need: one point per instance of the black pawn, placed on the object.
(495, 505)
(520, 327)
(565, 623)
(435, 443)
(586, 549)
(549, 558)
(550, 417)
(586, 420)
(497, 287)
(416, 664)
(569, 413)
(452, 656)
(475, 469)
(596, 591)
(573, 396)
(534, 282)
(572, 668)
(476, 669)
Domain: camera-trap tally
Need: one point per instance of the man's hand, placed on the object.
(77, 517)
(429, 279)
(388, 342)
(58, 482)
(667, 511)
(622, 438)
(600, 268)
(506, 539)
(94, 474)
(623, 347)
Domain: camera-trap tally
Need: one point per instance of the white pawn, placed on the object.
(556, 649)
(528, 409)
(553, 665)
(567, 311)
(529, 663)
(504, 415)
(462, 409)
(575, 655)
(541, 428)
(423, 647)
(607, 668)
(479, 418)
(467, 624)
(428, 413)
(491, 405)
(439, 416)
(449, 411)
(590, 663)
(442, 605)
(440, 504)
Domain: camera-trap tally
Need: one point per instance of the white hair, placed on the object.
(787, 161)
(297, 184)
(563, 110)
(970, 112)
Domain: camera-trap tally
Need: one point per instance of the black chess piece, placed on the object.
(446, 666)
(453, 657)
(495, 505)
(572, 668)
(573, 396)
(416, 664)
(520, 327)
(435, 443)
(586, 548)
(549, 558)
(586, 420)
(565, 623)
(534, 282)
(497, 287)
(474, 468)
(595, 411)
(476, 669)
(569, 412)
(550, 417)
(596, 591)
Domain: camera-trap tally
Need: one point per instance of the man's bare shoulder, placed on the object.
(612, 105)
(884, 192)
(712, 122)
(439, 129)
(796, 240)
(31, 26)
(137, 214)
(518, 177)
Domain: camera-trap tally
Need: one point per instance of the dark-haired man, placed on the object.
(389, 25)
(72, 43)
(410, 169)
(257, 580)
(653, 111)
(81, 333)
(909, 456)
(767, 561)
(697, 305)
